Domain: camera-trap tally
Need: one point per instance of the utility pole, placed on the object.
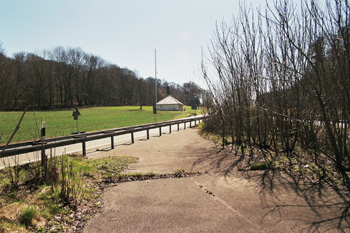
(155, 82)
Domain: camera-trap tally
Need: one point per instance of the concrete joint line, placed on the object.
(215, 197)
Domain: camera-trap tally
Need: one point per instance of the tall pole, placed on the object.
(155, 71)
(155, 82)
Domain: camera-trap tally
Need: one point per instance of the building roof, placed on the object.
(169, 101)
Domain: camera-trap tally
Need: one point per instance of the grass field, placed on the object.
(60, 123)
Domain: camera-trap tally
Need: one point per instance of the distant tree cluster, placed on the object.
(280, 81)
(63, 78)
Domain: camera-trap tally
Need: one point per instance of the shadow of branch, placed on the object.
(329, 203)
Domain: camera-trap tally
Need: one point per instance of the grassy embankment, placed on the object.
(65, 197)
(59, 123)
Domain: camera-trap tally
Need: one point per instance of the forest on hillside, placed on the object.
(64, 77)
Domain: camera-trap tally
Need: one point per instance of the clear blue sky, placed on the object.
(123, 32)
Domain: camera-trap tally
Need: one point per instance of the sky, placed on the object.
(122, 32)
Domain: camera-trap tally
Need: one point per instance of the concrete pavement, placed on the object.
(238, 202)
(174, 205)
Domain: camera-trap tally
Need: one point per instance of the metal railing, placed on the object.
(31, 146)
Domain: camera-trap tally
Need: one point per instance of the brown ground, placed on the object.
(212, 202)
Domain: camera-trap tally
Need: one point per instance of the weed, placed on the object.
(179, 173)
(261, 165)
(27, 216)
(134, 176)
(57, 193)
(11, 226)
(54, 209)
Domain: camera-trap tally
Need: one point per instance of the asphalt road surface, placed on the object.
(91, 146)
(215, 201)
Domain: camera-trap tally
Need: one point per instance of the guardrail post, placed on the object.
(84, 148)
(112, 142)
(169, 128)
(29, 147)
(190, 124)
(43, 156)
(132, 137)
(178, 126)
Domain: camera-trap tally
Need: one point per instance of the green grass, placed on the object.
(25, 208)
(60, 123)
(261, 165)
(28, 215)
(105, 167)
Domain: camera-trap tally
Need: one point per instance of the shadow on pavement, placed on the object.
(284, 195)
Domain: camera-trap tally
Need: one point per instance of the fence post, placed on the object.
(169, 128)
(77, 138)
(84, 148)
(132, 137)
(190, 124)
(43, 156)
(42, 138)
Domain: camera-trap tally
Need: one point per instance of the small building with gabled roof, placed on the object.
(169, 104)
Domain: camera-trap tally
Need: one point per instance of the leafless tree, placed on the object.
(279, 80)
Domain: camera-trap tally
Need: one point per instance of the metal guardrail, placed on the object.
(31, 146)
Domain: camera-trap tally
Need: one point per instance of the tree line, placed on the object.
(64, 77)
(279, 82)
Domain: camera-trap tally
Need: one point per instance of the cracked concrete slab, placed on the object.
(238, 202)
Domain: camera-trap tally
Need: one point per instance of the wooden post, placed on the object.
(42, 138)
(132, 137)
(43, 156)
(160, 131)
(169, 128)
(84, 148)
(185, 125)
(190, 124)
(112, 142)
(147, 134)
(178, 126)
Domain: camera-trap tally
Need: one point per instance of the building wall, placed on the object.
(168, 107)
